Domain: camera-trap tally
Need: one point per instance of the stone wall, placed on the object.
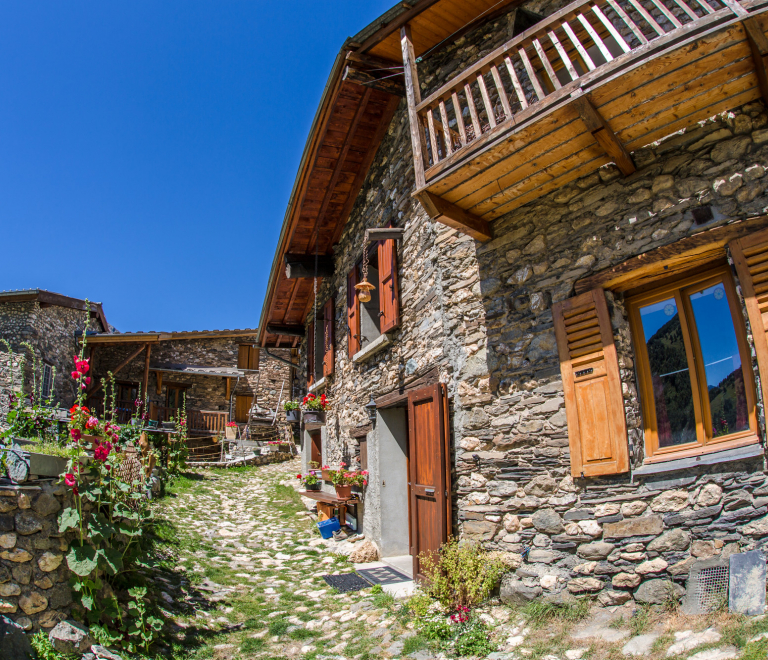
(34, 579)
(482, 314)
(51, 331)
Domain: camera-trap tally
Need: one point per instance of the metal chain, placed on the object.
(365, 263)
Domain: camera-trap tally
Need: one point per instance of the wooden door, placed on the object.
(242, 407)
(428, 471)
(316, 450)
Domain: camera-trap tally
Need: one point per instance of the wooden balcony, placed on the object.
(211, 422)
(586, 86)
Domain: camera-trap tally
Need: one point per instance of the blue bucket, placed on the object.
(328, 527)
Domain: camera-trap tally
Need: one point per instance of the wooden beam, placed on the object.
(303, 266)
(389, 82)
(286, 330)
(604, 136)
(384, 234)
(413, 95)
(385, 30)
(97, 387)
(159, 377)
(279, 359)
(228, 382)
(758, 44)
(145, 381)
(671, 259)
(449, 214)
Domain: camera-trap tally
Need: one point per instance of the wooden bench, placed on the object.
(326, 503)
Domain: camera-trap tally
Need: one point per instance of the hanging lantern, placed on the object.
(364, 288)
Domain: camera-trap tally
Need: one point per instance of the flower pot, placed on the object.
(344, 492)
(89, 441)
(313, 486)
(231, 432)
(291, 415)
(314, 419)
(325, 474)
(169, 426)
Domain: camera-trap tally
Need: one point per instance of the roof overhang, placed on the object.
(50, 298)
(154, 337)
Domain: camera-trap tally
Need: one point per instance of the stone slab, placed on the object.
(746, 591)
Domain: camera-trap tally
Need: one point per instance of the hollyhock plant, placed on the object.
(69, 479)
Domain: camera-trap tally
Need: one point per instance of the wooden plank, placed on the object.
(502, 93)
(547, 64)
(609, 26)
(578, 45)
(758, 44)
(384, 83)
(489, 113)
(629, 22)
(447, 138)
(384, 233)
(563, 55)
(400, 394)
(118, 368)
(473, 111)
(516, 83)
(303, 265)
(604, 135)
(459, 118)
(413, 97)
(286, 330)
(449, 214)
(668, 259)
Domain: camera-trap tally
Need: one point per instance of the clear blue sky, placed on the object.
(148, 148)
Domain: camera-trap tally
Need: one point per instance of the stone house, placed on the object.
(49, 322)
(219, 375)
(565, 346)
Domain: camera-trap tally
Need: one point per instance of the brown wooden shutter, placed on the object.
(389, 302)
(311, 354)
(353, 315)
(243, 353)
(329, 310)
(316, 451)
(253, 357)
(750, 256)
(594, 406)
(242, 407)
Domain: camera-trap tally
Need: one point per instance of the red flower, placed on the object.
(75, 375)
(102, 451)
(75, 491)
(69, 479)
(298, 476)
(82, 365)
(76, 434)
(87, 380)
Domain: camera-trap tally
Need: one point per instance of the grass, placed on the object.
(413, 644)
(540, 613)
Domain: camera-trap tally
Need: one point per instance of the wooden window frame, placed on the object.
(679, 288)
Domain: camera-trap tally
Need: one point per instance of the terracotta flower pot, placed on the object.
(344, 492)
(89, 441)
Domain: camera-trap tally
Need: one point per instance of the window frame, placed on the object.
(680, 288)
(47, 370)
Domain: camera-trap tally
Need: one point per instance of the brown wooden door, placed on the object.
(316, 451)
(428, 471)
(242, 407)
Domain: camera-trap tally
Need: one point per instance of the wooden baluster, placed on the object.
(432, 136)
(582, 51)
(647, 16)
(516, 83)
(691, 14)
(705, 6)
(502, 92)
(487, 100)
(473, 111)
(628, 21)
(531, 74)
(670, 16)
(563, 55)
(609, 26)
(546, 63)
(459, 118)
(446, 131)
(595, 37)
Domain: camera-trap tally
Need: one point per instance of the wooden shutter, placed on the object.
(243, 354)
(316, 451)
(353, 315)
(311, 354)
(750, 256)
(389, 302)
(253, 357)
(242, 407)
(329, 310)
(594, 405)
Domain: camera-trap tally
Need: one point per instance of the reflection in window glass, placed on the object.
(672, 392)
(722, 362)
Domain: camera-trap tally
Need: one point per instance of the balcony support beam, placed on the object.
(758, 44)
(604, 135)
(413, 96)
(442, 210)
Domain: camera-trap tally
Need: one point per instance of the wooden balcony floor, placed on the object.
(644, 95)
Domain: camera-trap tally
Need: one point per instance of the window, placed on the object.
(247, 356)
(694, 367)
(366, 322)
(175, 396)
(46, 386)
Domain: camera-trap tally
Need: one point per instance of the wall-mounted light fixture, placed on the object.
(370, 408)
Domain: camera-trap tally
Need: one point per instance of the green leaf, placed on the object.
(87, 601)
(69, 518)
(113, 559)
(82, 560)
(154, 623)
(99, 528)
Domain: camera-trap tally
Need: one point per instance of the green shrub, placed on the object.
(44, 649)
(460, 574)
(473, 639)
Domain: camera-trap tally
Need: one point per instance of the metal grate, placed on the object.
(710, 588)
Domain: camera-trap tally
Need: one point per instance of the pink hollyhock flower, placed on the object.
(82, 366)
(75, 375)
(83, 386)
(76, 434)
(91, 423)
(69, 479)
(87, 380)
(101, 452)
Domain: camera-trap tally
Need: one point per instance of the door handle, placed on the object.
(429, 491)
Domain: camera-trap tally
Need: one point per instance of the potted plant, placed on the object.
(341, 481)
(310, 481)
(358, 480)
(292, 411)
(231, 430)
(314, 411)
(313, 468)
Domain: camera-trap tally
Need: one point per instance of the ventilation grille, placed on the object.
(582, 330)
(710, 588)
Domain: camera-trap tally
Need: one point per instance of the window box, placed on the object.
(313, 419)
(291, 415)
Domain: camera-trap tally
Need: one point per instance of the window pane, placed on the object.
(722, 361)
(672, 392)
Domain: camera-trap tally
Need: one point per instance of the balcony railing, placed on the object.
(576, 47)
(198, 421)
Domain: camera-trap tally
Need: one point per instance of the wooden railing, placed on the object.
(124, 409)
(575, 46)
(213, 421)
